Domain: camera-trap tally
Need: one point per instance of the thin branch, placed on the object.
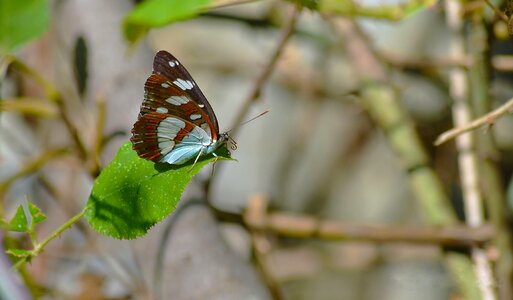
(50, 90)
(400, 60)
(68, 207)
(32, 167)
(99, 137)
(497, 11)
(487, 119)
(394, 12)
(121, 270)
(490, 175)
(260, 81)
(54, 95)
(309, 227)
(39, 247)
(227, 3)
(255, 214)
(380, 101)
(467, 158)
(29, 106)
(73, 131)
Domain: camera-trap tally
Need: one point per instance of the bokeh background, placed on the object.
(331, 73)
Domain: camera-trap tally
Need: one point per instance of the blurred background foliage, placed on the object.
(338, 193)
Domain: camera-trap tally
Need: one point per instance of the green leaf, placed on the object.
(157, 13)
(36, 214)
(133, 194)
(21, 21)
(21, 253)
(19, 221)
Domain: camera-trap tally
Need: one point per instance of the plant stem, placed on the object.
(99, 139)
(32, 167)
(54, 95)
(39, 247)
(487, 119)
(311, 227)
(497, 11)
(262, 78)
(490, 179)
(465, 144)
(395, 12)
(380, 100)
(260, 81)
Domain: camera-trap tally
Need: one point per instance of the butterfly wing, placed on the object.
(176, 122)
(164, 97)
(168, 66)
(166, 138)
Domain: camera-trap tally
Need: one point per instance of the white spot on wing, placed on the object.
(169, 128)
(162, 110)
(164, 138)
(188, 84)
(177, 100)
(179, 84)
(166, 146)
(195, 116)
(173, 122)
(173, 63)
(165, 85)
(201, 105)
(183, 84)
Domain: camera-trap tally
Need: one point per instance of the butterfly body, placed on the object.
(176, 123)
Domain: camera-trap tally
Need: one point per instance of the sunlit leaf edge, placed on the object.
(157, 13)
(22, 23)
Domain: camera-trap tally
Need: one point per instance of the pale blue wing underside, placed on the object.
(182, 154)
(197, 142)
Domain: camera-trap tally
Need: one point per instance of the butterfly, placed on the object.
(176, 123)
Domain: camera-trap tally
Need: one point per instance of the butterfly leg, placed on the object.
(196, 160)
(214, 164)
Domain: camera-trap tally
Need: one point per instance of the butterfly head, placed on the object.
(225, 138)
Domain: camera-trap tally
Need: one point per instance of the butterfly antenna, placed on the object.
(246, 122)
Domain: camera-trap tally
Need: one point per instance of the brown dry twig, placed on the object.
(95, 167)
(401, 61)
(32, 166)
(55, 96)
(307, 227)
(487, 119)
(255, 213)
(262, 78)
(498, 12)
